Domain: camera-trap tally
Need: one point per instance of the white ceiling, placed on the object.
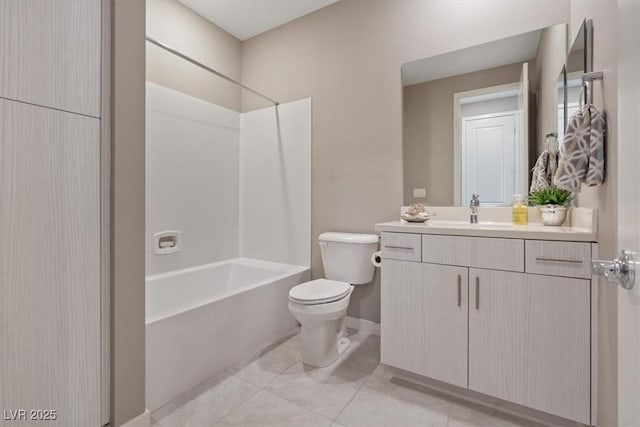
(247, 18)
(519, 48)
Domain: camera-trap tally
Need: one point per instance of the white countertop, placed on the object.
(580, 226)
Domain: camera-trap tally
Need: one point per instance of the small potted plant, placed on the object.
(552, 203)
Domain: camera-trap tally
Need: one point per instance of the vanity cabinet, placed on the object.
(509, 318)
(529, 340)
(425, 319)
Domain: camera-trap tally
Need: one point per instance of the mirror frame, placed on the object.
(586, 29)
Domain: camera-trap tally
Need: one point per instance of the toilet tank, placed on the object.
(347, 256)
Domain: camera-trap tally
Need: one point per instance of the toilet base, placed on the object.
(322, 343)
(343, 345)
(323, 333)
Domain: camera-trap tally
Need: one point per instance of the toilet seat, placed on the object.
(319, 291)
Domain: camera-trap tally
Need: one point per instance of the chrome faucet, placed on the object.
(475, 202)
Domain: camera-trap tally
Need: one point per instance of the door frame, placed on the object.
(517, 148)
(105, 214)
(628, 222)
(457, 129)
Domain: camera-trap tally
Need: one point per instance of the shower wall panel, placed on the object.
(275, 183)
(192, 179)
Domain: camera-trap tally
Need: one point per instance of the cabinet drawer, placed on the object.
(498, 254)
(571, 259)
(451, 250)
(492, 253)
(401, 246)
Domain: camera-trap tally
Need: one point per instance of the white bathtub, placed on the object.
(201, 320)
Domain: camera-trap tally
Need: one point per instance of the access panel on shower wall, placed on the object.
(275, 183)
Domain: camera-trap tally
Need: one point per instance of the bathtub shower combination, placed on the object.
(201, 320)
(228, 234)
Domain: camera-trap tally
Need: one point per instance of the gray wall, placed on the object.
(347, 58)
(181, 28)
(427, 131)
(127, 211)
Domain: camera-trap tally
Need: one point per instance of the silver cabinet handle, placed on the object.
(408, 248)
(477, 293)
(459, 290)
(571, 261)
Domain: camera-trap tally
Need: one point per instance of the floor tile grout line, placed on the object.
(352, 397)
(297, 404)
(274, 392)
(261, 387)
(256, 391)
(228, 371)
(280, 374)
(449, 413)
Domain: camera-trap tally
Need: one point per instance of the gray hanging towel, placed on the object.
(543, 171)
(582, 153)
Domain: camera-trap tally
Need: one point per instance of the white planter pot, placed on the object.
(553, 214)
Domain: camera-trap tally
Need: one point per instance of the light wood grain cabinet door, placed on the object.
(496, 326)
(49, 265)
(425, 319)
(50, 53)
(529, 341)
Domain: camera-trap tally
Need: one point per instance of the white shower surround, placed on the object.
(192, 159)
(275, 183)
(234, 184)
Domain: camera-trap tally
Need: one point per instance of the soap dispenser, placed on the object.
(519, 211)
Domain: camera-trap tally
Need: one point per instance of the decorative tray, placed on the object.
(419, 217)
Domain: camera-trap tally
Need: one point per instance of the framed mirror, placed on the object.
(472, 118)
(579, 61)
(562, 104)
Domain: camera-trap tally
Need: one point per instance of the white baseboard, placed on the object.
(142, 420)
(362, 325)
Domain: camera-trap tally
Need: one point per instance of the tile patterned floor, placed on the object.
(273, 388)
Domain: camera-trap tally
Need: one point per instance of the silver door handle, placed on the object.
(408, 248)
(459, 290)
(572, 261)
(477, 293)
(621, 270)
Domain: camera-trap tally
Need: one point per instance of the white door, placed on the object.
(489, 158)
(628, 208)
(522, 132)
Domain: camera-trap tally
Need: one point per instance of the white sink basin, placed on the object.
(481, 225)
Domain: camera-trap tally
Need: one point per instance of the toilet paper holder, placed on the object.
(376, 258)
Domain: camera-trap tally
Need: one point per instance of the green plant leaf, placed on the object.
(551, 196)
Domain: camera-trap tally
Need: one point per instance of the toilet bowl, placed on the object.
(322, 336)
(321, 305)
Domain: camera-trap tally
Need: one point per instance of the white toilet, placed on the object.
(321, 305)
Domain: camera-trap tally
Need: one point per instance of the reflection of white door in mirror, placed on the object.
(489, 157)
(491, 150)
(522, 163)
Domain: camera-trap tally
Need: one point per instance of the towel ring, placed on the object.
(585, 94)
(549, 137)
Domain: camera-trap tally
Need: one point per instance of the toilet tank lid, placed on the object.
(333, 236)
